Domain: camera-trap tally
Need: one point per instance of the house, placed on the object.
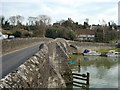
(118, 27)
(85, 35)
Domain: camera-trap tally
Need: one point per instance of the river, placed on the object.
(103, 70)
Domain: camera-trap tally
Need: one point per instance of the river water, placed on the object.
(103, 70)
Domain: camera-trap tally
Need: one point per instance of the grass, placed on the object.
(105, 51)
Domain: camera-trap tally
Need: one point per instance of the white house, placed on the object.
(85, 35)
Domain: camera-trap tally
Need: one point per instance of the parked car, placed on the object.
(2, 36)
(11, 36)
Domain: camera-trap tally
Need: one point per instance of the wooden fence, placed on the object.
(84, 77)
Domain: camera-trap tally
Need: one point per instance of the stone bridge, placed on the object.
(46, 69)
(49, 67)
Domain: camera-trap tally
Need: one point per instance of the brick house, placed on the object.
(85, 35)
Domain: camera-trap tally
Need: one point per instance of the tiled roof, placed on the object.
(85, 32)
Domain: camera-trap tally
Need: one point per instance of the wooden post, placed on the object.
(79, 63)
(88, 75)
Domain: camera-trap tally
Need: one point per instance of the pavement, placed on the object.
(11, 61)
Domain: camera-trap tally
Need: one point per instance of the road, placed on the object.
(13, 60)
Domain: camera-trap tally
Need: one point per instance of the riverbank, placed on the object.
(105, 51)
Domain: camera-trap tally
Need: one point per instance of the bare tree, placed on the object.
(87, 20)
(43, 22)
(104, 23)
(44, 19)
(103, 28)
(113, 25)
(2, 20)
(12, 20)
(19, 19)
(32, 20)
(86, 25)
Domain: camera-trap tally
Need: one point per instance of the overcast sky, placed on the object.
(77, 10)
(119, 14)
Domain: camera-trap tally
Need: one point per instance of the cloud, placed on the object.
(59, 1)
(119, 14)
(78, 10)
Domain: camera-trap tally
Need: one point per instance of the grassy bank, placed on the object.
(105, 51)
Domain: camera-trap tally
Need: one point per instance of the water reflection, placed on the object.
(103, 70)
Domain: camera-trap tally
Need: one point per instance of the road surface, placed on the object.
(13, 60)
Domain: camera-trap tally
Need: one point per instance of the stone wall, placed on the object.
(81, 46)
(46, 69)
(9, 45)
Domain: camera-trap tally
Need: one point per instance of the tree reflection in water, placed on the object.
(103, 70)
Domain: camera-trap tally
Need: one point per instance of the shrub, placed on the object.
(17, 34)
(60, 32)
(26, 33)
(71, 35)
